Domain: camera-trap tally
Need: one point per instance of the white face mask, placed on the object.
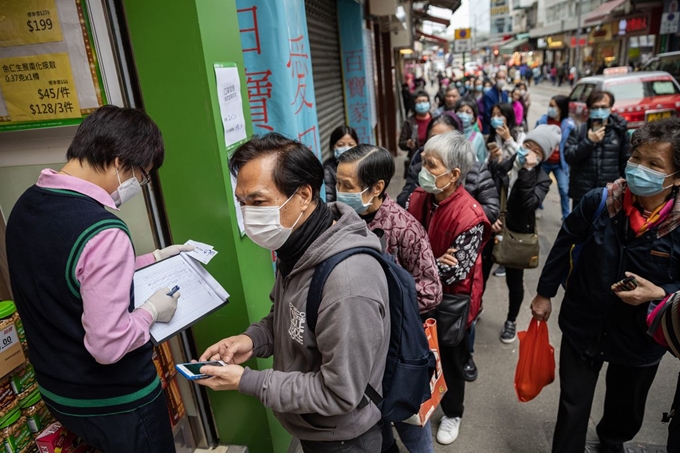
(263, 225)
(126, 190)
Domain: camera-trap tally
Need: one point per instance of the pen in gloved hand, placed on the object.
(173, 291)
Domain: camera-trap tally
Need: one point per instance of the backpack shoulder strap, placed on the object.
(601, 206)
(321, 274)
(473, 135)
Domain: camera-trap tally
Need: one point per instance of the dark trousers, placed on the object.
(674, 426)
(624, 403)
(369, 442)
(146, 429)
(487, 260)
(514, 278)
(453, 359)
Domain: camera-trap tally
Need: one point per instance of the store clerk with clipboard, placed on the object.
(71, 265)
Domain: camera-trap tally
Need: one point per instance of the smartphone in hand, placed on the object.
(192, 371)
(597, 124)
(627, 284)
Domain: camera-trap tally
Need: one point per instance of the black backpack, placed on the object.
(410, 362)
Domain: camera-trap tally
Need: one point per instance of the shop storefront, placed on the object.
(65, 58)
(602, 46)
(555, 52)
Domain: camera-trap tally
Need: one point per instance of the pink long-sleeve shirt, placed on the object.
(105, 271)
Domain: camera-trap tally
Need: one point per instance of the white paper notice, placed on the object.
(231, 104)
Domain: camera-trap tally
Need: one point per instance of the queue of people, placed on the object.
(464, 165)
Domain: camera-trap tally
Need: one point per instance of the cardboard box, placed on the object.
(176, 407)
(57, 439)
(11, 352)
(166, 360)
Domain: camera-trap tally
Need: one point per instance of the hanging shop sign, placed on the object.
(635, 24)
(357, 70)
(500, 19)
(50, 71)
(555, 42)
(278, 69)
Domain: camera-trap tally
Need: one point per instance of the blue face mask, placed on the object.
(645, 182)
(486, 89)
(552, 112)
(522, 155)
(466, 119)
(599, 114)
(339, 151)
(497, 122)
(479, 87)
(428, 181)
(354, 200)
(422, 107)
(458, 84)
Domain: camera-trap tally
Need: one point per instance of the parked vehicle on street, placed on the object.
(669, 62)
(640, 97)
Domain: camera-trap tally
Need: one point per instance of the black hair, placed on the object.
(340, 132)
(509, 113)
(296, 165)
(468, 102)
(562, 105)
(374, 164)
(597, 96)
(444, 118)
(112, 132)
(663, 131)
(487, 80)
(421, 94)
(451, 88)
(522, 84)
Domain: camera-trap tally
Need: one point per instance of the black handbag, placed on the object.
(452, 315)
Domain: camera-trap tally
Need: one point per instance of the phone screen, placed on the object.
(597, 125)
(195, 368)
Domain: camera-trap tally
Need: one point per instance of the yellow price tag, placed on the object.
(23, 22)
(39, 87)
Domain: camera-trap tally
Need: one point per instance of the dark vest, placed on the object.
(454, 216)
(46, 234)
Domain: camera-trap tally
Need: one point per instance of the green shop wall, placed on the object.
(175, 45)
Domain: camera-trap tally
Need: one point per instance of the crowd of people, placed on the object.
(474, 171)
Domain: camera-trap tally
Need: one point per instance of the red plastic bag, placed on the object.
(536, 364)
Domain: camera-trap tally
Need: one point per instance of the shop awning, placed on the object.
(601, 12)
(500, 43)
(512, 45)
(432, 38)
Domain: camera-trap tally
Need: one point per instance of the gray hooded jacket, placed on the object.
(318, 381)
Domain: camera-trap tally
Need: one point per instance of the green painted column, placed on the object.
(175, 45)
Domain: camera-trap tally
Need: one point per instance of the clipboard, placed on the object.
(200, 293)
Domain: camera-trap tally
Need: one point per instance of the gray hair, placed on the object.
(454, 150)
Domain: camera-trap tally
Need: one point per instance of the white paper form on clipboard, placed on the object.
(200, 293)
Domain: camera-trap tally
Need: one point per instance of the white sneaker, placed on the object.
(448, 430)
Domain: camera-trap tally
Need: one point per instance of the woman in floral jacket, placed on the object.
(364, 172)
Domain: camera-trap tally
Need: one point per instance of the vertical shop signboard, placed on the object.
(356, 69)
(49, 68)
(278, 69)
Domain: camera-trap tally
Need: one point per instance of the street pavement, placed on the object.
(494, 420)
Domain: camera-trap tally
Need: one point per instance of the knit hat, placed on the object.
(664, 323)
(547, 137)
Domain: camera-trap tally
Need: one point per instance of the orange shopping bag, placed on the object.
(437, 384)
(536, 364)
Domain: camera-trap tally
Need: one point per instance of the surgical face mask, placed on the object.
(467, 86)
(479, 87)
(497, 122)
(465, 118)
(422, 107)
(459, 84)
(599, 114)
(523, 92)
(355, 201)
(552, 112)
(126, 190)
(339, 151)
(428, 181)
(644, 181)
(500, 83)
(263, 225)
(486, 89)
(522, 153)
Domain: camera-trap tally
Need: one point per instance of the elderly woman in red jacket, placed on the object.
(458, 229)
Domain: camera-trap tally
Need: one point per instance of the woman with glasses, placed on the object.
(71, 264)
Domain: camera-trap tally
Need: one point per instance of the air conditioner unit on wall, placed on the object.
(382, 7)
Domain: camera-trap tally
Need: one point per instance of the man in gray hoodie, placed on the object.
(316, 388)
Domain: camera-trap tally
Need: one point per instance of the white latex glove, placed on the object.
(161, 306)
(173, 250)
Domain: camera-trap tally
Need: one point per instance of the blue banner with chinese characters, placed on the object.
(278, 69)
(356, 69)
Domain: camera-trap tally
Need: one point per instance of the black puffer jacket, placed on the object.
(478, 183)
(526, 194)
(330, 170)
(593, 165)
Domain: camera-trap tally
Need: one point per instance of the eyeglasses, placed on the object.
(146, 179)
